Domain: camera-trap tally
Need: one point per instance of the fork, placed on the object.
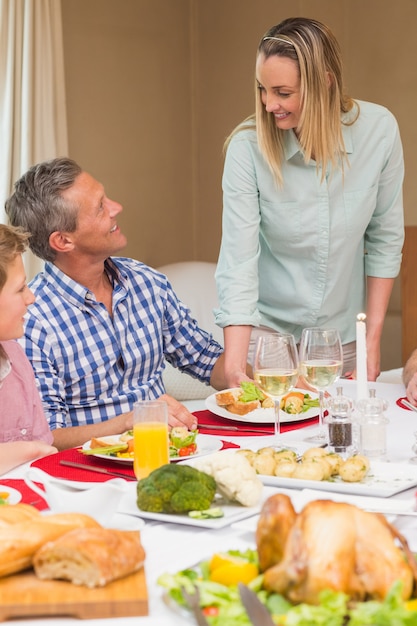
(193, 601)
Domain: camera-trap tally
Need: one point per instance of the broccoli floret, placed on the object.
(149, 497)
(175, 489)
(192, 496)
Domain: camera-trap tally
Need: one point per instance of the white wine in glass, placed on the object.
(275, 368)
(321, 359)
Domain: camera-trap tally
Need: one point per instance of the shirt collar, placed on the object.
(292, 146)
(75, 292)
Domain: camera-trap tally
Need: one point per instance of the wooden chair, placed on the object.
(409, 293)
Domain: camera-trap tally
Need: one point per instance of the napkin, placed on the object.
(209, 418)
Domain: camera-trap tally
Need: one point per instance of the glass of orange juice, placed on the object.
(150, 436)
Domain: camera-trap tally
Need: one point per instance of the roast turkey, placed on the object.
(331, 545)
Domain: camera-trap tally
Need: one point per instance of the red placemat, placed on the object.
(209, 418)
(52, 465)
(28, 495)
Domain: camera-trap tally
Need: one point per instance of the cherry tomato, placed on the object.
(210, 611)
(188, 450)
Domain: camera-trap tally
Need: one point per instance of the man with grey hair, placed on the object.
(102, 325)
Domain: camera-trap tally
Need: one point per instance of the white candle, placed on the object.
(361, 365)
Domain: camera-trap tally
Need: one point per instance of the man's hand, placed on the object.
(178, 414)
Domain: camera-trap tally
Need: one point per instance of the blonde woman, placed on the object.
(312, 209)
(24, 432)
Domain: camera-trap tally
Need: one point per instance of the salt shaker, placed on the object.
(339, 421)
(372, 425)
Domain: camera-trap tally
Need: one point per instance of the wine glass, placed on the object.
(321, 358)
(275, 368)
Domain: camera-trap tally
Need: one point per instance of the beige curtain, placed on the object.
(32, 93)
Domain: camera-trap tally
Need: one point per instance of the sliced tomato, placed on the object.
(188, 450)
(210, 611)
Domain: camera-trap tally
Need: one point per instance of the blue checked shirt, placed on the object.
(90, 366)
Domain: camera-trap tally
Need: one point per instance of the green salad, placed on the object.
(221, 603)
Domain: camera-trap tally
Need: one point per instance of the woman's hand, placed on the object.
(411, 390)
(235, 378)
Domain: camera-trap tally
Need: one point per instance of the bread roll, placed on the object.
(224, 398)
(229, 400)
(100, 443)
(92, 556)
(241, 408)
(19, 542)
(15, 513)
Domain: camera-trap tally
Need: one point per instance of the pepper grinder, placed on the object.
(339, 421)
(372, 425)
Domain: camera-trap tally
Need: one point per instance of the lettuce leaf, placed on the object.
(250, 392)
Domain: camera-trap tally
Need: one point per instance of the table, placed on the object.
(171, 547)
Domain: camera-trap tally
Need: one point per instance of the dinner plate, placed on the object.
(383, 479)
(233, 512)
(14, 495)
(206, 444)
(261, 416)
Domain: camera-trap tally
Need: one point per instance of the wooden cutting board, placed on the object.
(25, 595)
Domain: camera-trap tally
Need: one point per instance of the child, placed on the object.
(24, 431)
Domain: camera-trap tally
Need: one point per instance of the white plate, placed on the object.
(383, 479)
(261, 416)
(14, 495)
(232, 512)
(68, 482)
(206, 444)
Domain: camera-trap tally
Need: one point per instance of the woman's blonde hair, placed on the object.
(315, 50)
(13, 241)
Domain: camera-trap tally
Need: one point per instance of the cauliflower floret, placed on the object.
(235, 477)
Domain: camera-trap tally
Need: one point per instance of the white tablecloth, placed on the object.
(170, 547)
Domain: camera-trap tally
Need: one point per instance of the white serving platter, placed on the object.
(383, 480)
(232, 512)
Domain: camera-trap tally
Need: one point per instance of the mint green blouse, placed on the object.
(298, 256)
